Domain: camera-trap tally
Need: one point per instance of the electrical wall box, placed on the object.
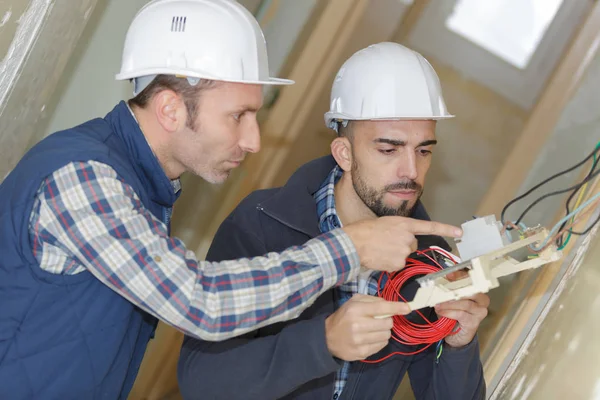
(481, 236)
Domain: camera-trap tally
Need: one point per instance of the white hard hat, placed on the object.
(386, 81)
(209, 39)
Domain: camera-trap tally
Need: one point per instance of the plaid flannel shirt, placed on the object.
(86, 218)
(365, 283)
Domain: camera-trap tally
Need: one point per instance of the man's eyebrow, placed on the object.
(247, 108)
(394, 142)
(431, 142)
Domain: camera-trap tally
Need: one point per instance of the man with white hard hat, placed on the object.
(385, 102)
(88, 264)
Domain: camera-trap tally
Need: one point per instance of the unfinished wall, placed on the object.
(35, 43)
(574, 137)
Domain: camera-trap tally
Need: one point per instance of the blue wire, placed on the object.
(437, 350)
(566, 218)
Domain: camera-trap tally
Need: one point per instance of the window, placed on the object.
(510, 46)
(511, 29)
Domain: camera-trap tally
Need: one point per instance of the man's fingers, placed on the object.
(375, 337)
(420, 227)
(372, 324)
(479, 300)
(385, 308)
(373, 348)
(457, 275)
(466, 310)
(465, 319)
(414, 245)
(458, 305)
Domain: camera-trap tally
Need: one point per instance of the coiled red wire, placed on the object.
(405, 331)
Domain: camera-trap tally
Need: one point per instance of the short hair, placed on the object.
(345, 131)
(190, 93)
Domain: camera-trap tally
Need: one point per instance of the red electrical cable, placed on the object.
(405, 331)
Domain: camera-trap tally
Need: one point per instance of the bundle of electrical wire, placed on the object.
(562, 231)
(404, 330)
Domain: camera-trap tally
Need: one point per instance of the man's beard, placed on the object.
(374, 199)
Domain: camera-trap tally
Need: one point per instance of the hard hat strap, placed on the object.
(141, 82)
(335, 124)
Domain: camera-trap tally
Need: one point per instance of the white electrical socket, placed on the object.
(481, 236)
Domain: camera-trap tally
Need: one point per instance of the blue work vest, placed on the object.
(70, 336)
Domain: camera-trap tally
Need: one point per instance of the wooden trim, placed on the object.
(562, 85)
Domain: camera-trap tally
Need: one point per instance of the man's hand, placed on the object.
(384, 243)
(469, 312)
(353, 332)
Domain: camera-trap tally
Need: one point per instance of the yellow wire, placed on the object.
(580, 197)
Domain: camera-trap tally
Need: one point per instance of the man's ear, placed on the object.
(341, 150)
(170, 110)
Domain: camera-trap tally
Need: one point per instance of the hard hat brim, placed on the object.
(338, 116)
(157, 71)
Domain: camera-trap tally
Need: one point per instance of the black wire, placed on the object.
(559, 240)
(588, 229)
(577, 186)
(579, 164)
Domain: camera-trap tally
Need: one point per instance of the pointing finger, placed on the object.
(419, 227)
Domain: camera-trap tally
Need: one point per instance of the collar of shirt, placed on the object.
(175, 183)
(325, 199)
